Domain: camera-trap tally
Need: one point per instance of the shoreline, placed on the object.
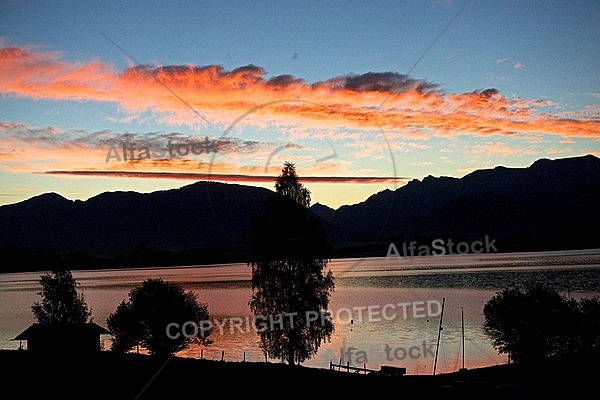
(136, 376)
(108, 265)
(415, 260)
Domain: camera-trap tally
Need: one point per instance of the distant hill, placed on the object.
(200, 214)
(551, 205)
(207, 221)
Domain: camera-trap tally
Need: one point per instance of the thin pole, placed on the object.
(439, 333)
(462, 321)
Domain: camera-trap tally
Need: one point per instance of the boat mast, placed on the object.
(439, 333)
(462, 323)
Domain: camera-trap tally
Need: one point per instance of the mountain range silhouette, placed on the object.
(550, 205)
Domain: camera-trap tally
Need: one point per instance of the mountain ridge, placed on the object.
(419, 198)
(552, 204)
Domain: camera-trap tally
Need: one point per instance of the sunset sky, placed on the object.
(361, 96)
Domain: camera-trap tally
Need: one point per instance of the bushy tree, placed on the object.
(533, 322)
(290, 284)
(60, 301)
(143, 320)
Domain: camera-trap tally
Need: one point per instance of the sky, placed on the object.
(360, 96)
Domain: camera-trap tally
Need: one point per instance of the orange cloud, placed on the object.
(45, 76)
(412, 107)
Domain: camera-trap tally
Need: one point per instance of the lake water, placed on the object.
(386, 312)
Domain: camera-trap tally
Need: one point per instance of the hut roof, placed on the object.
(37, 330)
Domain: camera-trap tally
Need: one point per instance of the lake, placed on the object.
(386, 312)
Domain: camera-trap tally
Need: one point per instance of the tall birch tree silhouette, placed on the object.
(291, 284)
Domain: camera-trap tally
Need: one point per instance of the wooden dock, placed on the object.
(384, 369)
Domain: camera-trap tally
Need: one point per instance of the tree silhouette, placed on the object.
(534, 322)
(290, 286)
(60, 301)
(144, 320)
(288, 184)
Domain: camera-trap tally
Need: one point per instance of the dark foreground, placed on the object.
(131, 376)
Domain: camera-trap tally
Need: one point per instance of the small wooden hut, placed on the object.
(67, 337)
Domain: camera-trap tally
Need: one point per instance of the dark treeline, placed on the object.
(20, 259)
(42, 259)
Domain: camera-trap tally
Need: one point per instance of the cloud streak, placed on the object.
(228, 177)
(26, 148)
(412, 106)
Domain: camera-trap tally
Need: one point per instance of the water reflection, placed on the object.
(572, 279)
(466, 281)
